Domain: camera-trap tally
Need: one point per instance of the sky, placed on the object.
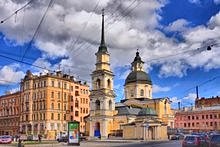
(172, 37)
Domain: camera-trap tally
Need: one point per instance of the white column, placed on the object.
(91, 129)
(104, 132)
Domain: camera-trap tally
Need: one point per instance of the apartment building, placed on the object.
(49, 101)
(198, 119)
(9, 113)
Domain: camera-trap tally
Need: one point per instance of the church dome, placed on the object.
(147, 112)
(138, 76)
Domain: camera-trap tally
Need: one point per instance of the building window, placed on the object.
(80, 110)
(184, 124)
(71, 98)
(52, 117)
(192, 117)
(97, 105)
(98, 83)
(197, 117)
(58, 116)
(71, 117)
(71, 108)
(80, 119)
(188, 117)
(132, 93)
(192, 124)
(215, 116)
(65, 96)
(52, 83)
(142, 92)
(210, 116)
(58, 95)
(52, 106)
(86, 101)
(110, 104)
(207, 116)
(84, 111)
(65, 87)
(52, 94)
(210, 123)
(77, 113)
(188, 124)
(64, 116)
(71, 88)
(76, 103)
(65, 107)
(59, 85)
(202, 116)
(58, 106)
(109, 83)
(45, 83)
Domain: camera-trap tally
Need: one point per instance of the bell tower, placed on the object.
(102, 97)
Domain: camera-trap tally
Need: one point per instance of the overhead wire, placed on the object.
(15, 12)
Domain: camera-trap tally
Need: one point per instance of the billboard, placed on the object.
(73, 133)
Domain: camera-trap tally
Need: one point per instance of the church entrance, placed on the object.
(150, 133)
(97, 130)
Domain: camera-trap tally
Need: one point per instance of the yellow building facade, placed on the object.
(138, 116)
(49, 101)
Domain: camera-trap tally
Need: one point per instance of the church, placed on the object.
(138, 115)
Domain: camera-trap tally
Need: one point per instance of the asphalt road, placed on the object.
(109, 144)
(135, 144)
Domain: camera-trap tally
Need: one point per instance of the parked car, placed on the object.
(214, 141)
(177, 136)
(194, 141)
(62, 137)
(5, 139)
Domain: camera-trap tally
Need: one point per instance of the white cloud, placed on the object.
(157, 89)
(215, 20)
(217, 2)
(66, 20)
(175, 100)
(195, 1)
(190, 97)
(178, 25)
(9, 74)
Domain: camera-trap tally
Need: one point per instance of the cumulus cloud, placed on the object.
(217, 2)
(178, 26)
(190, 97)
(195, 1)
(157, 89)
(9, 74)
(175, 100)
(72, 30)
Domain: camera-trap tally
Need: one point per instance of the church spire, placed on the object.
(102, 47)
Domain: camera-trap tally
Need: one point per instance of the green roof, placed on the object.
(147, 112)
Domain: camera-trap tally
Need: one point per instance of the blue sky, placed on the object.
(70, 35)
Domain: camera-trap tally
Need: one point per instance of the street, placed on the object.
(109, 144)
(129, 144)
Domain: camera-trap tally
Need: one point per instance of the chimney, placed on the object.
(197, 92)
(179, 105)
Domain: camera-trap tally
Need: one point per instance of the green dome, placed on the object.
(139, 77)
(147, 112)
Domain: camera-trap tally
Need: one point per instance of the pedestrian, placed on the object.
(39, 137)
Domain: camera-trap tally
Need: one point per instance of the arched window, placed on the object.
(110, 104)
(97, 105)
(109, 83)
(98, 83)
(142, 92)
